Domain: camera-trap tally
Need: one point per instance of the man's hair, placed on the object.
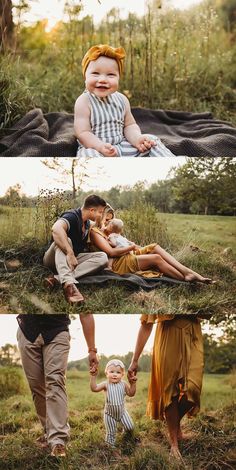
(94, 201)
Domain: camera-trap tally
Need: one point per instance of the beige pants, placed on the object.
(45, 367)
(89, 263)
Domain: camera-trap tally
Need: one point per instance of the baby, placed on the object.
(104, 124)
(115, 227)
(115, 389)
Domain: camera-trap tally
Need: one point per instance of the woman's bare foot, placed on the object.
(195, 277)
(175, 453)
(185, 436)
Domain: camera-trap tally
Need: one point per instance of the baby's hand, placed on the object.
(145, 143)
(132, 379)
(93, 370)
(108, 150)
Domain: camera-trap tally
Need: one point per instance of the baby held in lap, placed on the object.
(115, 239)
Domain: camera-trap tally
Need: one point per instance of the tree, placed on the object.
(202, 185)
(66, 168)
(9, 355)
(6, 24)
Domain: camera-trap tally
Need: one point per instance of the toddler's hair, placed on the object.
(117, 225)
(115, 362)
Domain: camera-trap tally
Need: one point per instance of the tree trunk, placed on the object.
(6, 24)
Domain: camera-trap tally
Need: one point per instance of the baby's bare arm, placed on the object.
(131, 388)
(112, 240)
(133, 133)
(94, 386)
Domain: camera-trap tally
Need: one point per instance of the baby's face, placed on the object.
(102, 77)
(114, 374)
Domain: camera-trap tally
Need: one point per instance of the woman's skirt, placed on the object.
(177, 365)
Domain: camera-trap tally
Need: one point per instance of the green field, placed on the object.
(205, 243)
(213, 441)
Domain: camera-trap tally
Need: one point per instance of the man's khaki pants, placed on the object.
(89, 263)
(45, 367)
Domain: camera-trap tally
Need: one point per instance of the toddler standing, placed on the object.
(115, 389)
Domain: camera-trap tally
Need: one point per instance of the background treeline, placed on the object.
(220, 357)
(176, 59)
(200, 186)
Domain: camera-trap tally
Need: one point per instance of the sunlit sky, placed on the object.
(104, 173)
(115, 334)
(53, 9)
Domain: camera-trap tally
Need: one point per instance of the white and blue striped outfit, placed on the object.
(107, 123)
(115, 412)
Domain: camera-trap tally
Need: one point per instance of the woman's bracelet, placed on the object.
(92, 350)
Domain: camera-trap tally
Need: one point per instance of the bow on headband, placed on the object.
(104, 50)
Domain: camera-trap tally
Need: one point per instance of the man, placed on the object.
(68, 254)
(44, 343)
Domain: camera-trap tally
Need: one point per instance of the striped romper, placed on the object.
(115, 412)
(107, 122)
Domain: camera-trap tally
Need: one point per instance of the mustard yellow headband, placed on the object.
(104, 50)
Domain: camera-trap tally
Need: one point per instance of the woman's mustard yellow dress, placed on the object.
(129, 263)
(177, 363)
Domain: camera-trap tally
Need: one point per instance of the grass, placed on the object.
(212, 447)
(205, 243)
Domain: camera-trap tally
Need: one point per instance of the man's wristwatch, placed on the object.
(92, 350)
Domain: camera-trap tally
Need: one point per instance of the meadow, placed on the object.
(211, 448)
(205, 243)
(175, 60)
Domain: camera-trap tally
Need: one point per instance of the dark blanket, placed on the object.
(188, 134)
(132, 281)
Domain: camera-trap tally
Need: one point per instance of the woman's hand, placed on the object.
(144, 143)
(132, 371)
(93, 363)
(107, 150)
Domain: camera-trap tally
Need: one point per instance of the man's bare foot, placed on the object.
(72, 294)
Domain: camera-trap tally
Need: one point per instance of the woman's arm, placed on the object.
(143, 335)
(103, 245)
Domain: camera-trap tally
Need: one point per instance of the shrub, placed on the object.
(11, 381)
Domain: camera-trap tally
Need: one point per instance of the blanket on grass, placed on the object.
(132, 281)
(185, 134)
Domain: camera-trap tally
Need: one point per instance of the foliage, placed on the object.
(11, 381)
(188, 66)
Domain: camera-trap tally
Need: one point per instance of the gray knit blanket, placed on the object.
(185, 134)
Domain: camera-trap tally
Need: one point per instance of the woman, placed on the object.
(150, 260)
(177, 370)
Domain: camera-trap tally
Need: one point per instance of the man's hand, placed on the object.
(144, 143)
(93, 363)
(71, 261)
(108, 150)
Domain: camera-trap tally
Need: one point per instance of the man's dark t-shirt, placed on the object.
(74, 222)
(48, 325)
